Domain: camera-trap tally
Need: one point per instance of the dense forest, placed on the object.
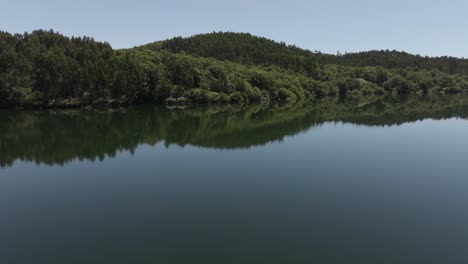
(248, 49)
(47, 69)
(57, 136)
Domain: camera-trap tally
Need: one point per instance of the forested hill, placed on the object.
(43, 67)
(248, 49)
(400, 59)
(238, 47)
(47, 69)
(241, 48)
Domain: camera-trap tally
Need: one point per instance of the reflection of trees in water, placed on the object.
(55, 137)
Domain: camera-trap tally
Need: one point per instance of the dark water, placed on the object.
(335, 181)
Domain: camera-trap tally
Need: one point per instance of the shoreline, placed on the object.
(184, 102)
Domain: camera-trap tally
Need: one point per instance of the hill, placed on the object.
(399, 59)
(252, 50)
(242, 48)
(47, 69)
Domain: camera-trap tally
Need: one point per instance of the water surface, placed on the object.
(375, 180)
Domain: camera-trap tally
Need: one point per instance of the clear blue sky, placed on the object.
(423, 27)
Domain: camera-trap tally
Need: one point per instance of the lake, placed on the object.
(370, 180)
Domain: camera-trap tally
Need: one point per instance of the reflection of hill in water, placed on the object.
(55, 137)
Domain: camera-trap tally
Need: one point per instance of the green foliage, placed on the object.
(399, 84)
(286, 95)
(398, 60)
(46, 69)
(236, 97)
(204, 96)
(245, 49)
(205, 78)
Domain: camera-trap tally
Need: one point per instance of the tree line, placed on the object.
(47, 69)
(248, 49)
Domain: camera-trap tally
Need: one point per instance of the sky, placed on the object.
(433, 28)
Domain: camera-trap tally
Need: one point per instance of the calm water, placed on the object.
(336, 181)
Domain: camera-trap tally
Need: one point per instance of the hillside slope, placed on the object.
(242, 48)
(248, 49)
(47, 69)
(398, 59)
